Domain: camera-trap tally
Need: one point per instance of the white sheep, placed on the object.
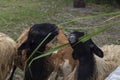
(91, 64)
(7, 53)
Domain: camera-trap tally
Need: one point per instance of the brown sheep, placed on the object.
(64, 64)
(63, 61)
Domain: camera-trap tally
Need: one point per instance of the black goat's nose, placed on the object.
(71, 38)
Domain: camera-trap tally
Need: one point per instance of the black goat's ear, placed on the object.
(24, 45)
(96, 50)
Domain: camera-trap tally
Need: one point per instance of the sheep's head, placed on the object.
(81, 49)
(36, 35)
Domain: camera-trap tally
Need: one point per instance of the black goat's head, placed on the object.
(81, 49)
(37, 34)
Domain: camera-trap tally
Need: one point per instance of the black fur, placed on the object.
(84, 53)
(41, 68)
(36, 35)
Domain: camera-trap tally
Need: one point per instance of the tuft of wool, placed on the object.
(7, 54)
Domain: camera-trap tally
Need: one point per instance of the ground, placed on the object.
(16, 15)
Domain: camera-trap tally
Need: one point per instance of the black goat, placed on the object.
(39, 69)
(83, 51)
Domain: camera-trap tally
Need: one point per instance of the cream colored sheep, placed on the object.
(91, 64)
(7, 53)
(110, 61)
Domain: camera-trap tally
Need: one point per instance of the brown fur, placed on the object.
(63, 61)
(59, 58)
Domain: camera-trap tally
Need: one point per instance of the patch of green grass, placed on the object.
(16, 15)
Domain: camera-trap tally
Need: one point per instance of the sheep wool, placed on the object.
(111, 60)
(7, 53)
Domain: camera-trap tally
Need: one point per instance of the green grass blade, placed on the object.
(88, 17)
(111, 18)
(82, 39)
(102, 29)
(38, 46)
(46, 53)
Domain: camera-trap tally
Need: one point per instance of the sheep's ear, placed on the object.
(24, 45)
(96, 50)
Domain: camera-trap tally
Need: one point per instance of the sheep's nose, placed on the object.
(71, 38)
